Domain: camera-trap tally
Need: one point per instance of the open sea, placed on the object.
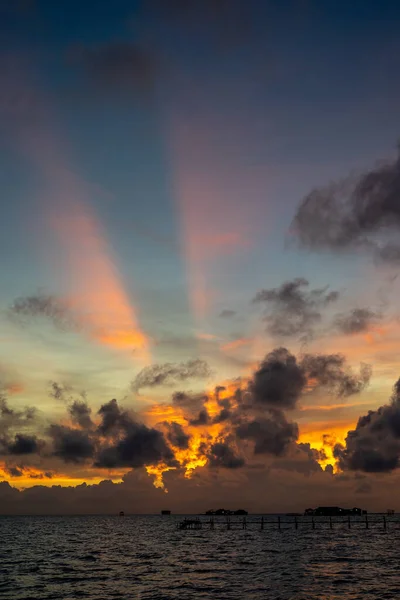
(148, 558)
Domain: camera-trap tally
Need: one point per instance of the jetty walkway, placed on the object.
(270, 522)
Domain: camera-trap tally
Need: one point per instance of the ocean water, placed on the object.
(148, 558)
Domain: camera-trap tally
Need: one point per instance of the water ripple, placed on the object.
(146, 558)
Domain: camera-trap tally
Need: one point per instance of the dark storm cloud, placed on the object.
(357, 320)
(203, 418)
(224, 415)
(113, 419)
(5, 410)
(190, 402)
(300, 458)
(271, 435)
(293, 309)
(13, 471)
(277, 385)
(374, 445)
(140, 446)
(358, 212)
(24, 444)
(24, 309)
(252, 414)
(71, 445)
(118, 440)
(279, 380)
(46, 475)
(389, 253)
(171, 373)
(13, 417)
(227, 314)
(133, 444)
(117, 67)
(59, 391)
(330, 371)
(176, 435)
(80, 414)
(221, 454)
(312, 453)
(13, 424)
(217, 390)
(223, 402)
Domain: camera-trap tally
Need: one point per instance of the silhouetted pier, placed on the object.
(190, 524)
(282, 523)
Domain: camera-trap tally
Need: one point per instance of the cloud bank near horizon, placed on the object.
(229, 428)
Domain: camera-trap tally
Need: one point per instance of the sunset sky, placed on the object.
(199, 246)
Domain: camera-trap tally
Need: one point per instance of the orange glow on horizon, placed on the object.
(32, 476)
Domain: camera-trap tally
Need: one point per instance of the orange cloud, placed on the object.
(376, 334)
(164, 412)
(379, 341)
(318, 428)
(239, 343)
(14, 388)
(331, 406)
(201, 437)
(157, 472)
(201, 335)
(323, 436)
